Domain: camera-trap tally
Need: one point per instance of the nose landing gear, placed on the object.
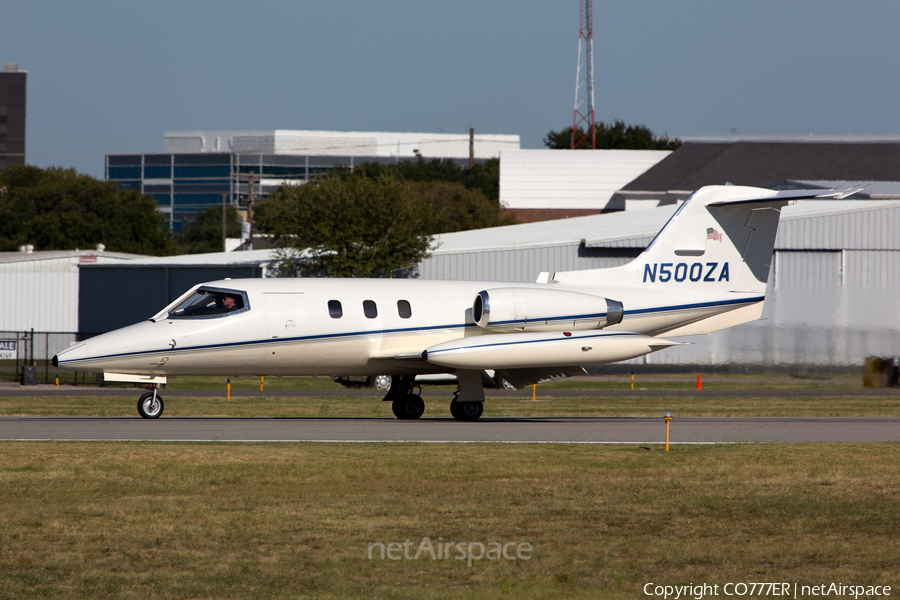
(150, 406)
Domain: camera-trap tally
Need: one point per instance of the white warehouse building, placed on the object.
(39, 290)
(339, 143)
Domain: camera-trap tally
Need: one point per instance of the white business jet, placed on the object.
(706, 270)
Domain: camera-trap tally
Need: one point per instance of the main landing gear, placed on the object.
(405, 403)
(466, 411)
(467, 404)
(150, 406)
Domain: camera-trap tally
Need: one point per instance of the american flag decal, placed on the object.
(713, 234)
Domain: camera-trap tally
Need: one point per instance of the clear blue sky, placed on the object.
(107, 76)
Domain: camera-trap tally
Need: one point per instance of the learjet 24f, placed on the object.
(705, 270)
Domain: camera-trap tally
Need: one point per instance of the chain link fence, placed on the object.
(20, 349)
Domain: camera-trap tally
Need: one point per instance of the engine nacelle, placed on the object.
(530, 309)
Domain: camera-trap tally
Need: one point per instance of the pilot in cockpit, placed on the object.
(228, 303)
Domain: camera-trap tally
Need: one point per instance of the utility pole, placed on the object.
(584, 79)
(471, 147)
(224, 222)
(250, 179)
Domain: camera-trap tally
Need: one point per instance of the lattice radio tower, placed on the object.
(584, 80)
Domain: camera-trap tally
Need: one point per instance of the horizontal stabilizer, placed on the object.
(542, 349)
(792, 195)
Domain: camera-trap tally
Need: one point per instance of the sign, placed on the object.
(8, 349)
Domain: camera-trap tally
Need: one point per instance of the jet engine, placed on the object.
(530, 309)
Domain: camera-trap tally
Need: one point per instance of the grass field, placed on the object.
(595, 404)
(155, 520)
(367, 403)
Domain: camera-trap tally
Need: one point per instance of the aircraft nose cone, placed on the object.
(73, 353)
(55, 361)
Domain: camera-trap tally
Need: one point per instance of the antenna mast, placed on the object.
(584, 80)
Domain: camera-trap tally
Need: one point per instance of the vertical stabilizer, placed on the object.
(720, 239)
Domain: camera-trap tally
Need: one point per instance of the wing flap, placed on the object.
(519, 378)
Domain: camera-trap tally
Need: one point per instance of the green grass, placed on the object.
(138, 520)
(547, 405)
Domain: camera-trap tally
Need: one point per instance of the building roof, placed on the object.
(338, 143)
(85, 256)
(569, 179)
(211, 259)
(808, 224)
(764, 164)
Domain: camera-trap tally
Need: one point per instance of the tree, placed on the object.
(457, 208)
(205, 233)
(484, 177)
(58, 209)
(348, 226)
(616, 136)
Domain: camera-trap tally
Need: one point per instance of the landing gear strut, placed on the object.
(405, 403)
(150, 406)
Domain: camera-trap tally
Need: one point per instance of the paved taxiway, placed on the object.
(562, 430)
(509, 430)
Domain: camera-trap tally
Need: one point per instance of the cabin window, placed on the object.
(334, 309)
(210, 302)
(369, 309)
(404, 309)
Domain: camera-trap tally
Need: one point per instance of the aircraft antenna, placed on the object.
(584, 80)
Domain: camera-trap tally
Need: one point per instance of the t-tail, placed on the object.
(716, 250)
(722, 235)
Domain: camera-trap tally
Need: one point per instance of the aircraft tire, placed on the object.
(466, 411)
(410, 406)
(149, 409)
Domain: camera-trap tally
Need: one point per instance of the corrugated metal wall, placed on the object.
(43, 300)
(116, 296)
(866, 229)
(822, 308)
(522, 264)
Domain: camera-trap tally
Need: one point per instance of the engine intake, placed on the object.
(530, 309)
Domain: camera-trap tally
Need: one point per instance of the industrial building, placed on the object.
(12, 115)
(774, 162)
(201, 169)
(39, 300)
(541, 185)
(39, 290)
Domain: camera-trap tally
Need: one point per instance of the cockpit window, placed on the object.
(210, 302)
